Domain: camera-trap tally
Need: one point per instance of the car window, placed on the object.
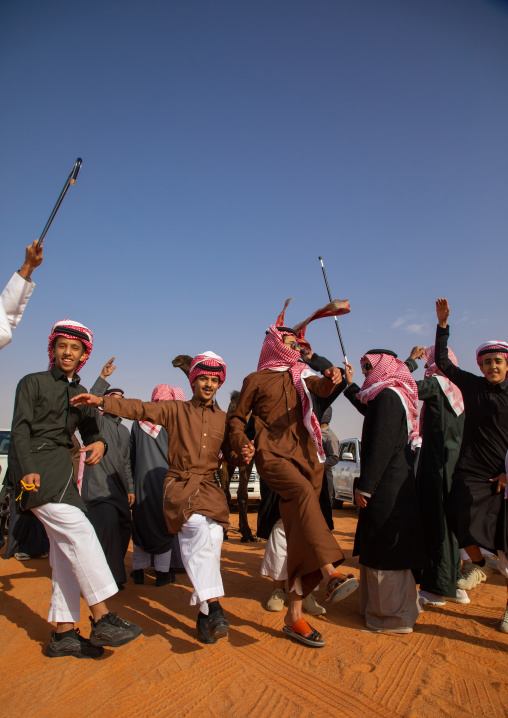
(5, 439)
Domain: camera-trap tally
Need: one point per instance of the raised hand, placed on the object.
(108, 369)
(348, 373)
(417, 353)
(443, 312)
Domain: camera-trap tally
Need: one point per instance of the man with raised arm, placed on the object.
(476, 510)
(17, 292)
(195, 506)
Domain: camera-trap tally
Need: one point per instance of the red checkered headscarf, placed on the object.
(162, 392)
(71, 330)
(207, 364)
(451, 392)
(277, 356)
(388, 372)
(491, 348)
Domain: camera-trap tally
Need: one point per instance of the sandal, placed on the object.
(339, 586)
(299, 628)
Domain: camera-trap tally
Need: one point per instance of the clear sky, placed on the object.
(225, 146)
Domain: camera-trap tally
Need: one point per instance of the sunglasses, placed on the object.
(366, 365)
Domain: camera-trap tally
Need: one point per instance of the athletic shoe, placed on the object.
(401, 629)
(430, 599)
(312, 606)
(138, 575)
(204, 629)
(276, 600)
(503, 626)
(111, 630)
(72, 644)
(473, 577)
(461, 597)
(218, 624)
(162, 578)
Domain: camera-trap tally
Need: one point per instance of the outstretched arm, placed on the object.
(158, 412)
(461, 378)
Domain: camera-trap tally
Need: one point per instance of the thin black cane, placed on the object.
(336, 320)
(71, 179)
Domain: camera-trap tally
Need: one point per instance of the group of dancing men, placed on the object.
(431, 483)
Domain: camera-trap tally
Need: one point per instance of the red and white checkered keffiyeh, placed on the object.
(162, 392)
(207, 364)
(388, 372)
(71, 330)
(451, 392)
(495, 347)
(277, 356)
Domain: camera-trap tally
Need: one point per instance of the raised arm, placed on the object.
(158, 412)
(463, 379)
(352, 390)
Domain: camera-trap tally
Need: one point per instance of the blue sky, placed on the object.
(225, 146)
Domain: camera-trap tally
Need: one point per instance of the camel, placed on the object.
(226, 471)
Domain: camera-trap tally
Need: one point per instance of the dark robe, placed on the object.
(441, 434)
(149, 462)
(388, 533)
(476, 513)
(104, 490)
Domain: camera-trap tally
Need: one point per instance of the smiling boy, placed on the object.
(195, 506)
(39, 457)
(476, 510)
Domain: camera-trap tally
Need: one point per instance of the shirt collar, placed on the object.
(198, 403)
(59, 375)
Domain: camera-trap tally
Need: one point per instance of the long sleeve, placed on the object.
(26, 395)
(13, 301)
(350, 394)
(158, 412)
(132, 445)
(321, 386)
(127, 461)
(100, 386)
(88, 425)
(380, 434)
(463, 379)
(319, 363)
(238, 421)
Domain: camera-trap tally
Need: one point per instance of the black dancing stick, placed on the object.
(336, 320)
(71, 179)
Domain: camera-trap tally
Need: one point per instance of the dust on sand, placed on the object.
(454, 664)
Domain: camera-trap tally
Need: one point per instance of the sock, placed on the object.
(214, 606)
(480, 563)
(61, 636)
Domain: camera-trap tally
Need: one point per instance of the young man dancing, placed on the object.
(195, 506)
(289, 458)
(39, 456)
(476, 509)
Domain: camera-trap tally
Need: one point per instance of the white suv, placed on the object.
(346, 471)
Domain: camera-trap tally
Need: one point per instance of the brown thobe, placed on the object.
(287, 460)
(196, 434)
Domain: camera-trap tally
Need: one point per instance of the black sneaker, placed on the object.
(203, 630)
(162, 578)
(138, 575)
(218, 624)
(111, 630)
(72, 644)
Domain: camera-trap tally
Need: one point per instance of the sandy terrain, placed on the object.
(454, 664)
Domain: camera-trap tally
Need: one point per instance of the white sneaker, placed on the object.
(461, 597)
(474, 577)
(503, 626)
(430, 599)
(276, 600)
(312, 606)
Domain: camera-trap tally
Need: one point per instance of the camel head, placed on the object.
(183, 362)
(233, 402)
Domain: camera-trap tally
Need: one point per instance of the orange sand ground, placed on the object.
(454, 664)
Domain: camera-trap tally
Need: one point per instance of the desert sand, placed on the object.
(454, 664)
